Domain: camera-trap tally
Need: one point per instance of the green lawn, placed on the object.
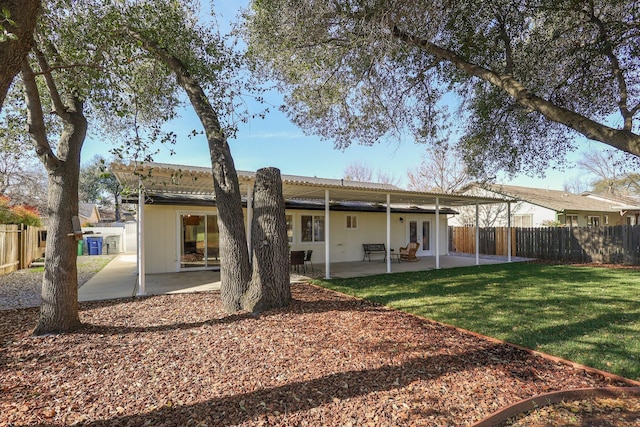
(587, 315)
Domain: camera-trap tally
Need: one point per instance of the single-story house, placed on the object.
(629, 206)
(178, 225)
(538, 207)
(88, 213)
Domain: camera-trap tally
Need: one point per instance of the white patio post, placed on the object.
(477, 235)
(509, 231)
(249, 219)
(327, 247)
(437, 233)
(388, 254)
(141, 276)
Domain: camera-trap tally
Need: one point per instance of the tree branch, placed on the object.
(621, 139)
(58, 105)
(35, 118)
(507, 46)
(615, 69)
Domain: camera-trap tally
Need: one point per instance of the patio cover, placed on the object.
(149, 179)
(158, 178)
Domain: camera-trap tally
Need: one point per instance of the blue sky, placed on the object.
(276, 142)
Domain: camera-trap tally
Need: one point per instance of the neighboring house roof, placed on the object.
(559, 201)
(176, 181)
(621, 202)
(88, 211)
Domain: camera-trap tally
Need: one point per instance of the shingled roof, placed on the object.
(556, 200)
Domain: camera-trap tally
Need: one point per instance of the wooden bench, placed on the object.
(373, 248)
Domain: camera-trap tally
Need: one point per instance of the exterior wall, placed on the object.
(162, 239)
(539, 214)
(583, 217)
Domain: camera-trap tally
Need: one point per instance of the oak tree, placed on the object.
(17, 22)
(531, 76)
(207, 69)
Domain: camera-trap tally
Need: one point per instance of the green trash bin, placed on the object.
(80, 247)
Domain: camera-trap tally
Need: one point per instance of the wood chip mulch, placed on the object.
(328, 359)
(601, 412)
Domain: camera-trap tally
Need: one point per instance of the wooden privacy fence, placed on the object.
(19, 246)
(619, 244)
(493, 240)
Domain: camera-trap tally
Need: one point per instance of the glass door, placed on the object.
(199, 242)
(420, 231)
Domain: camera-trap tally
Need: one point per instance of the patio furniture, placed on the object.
(373, 248)
(307, 259)
(408, 253)
(297, 260)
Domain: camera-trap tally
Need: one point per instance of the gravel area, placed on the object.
(22, 288)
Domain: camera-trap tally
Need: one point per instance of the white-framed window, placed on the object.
(312, 228)
(351, 222)
(606, 220)
(572, 220)
(593, 221)
(523, 220)
(289, 219)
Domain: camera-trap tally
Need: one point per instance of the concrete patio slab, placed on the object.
(119, 278)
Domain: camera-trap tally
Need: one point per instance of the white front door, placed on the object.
(420, 231)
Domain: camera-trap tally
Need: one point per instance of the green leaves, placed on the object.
(524, 74)
(5, 23)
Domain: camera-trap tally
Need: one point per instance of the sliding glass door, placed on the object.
(199, 242)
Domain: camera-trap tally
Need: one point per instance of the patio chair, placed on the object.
(307, 259)
(297, 260)
(408, 253)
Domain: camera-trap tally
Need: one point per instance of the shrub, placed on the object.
(22, 214)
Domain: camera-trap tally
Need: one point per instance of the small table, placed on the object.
(395, 256)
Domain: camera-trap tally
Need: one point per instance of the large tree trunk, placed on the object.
(12, 52)
(59, 307)
(235, 271)
(270, 283)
